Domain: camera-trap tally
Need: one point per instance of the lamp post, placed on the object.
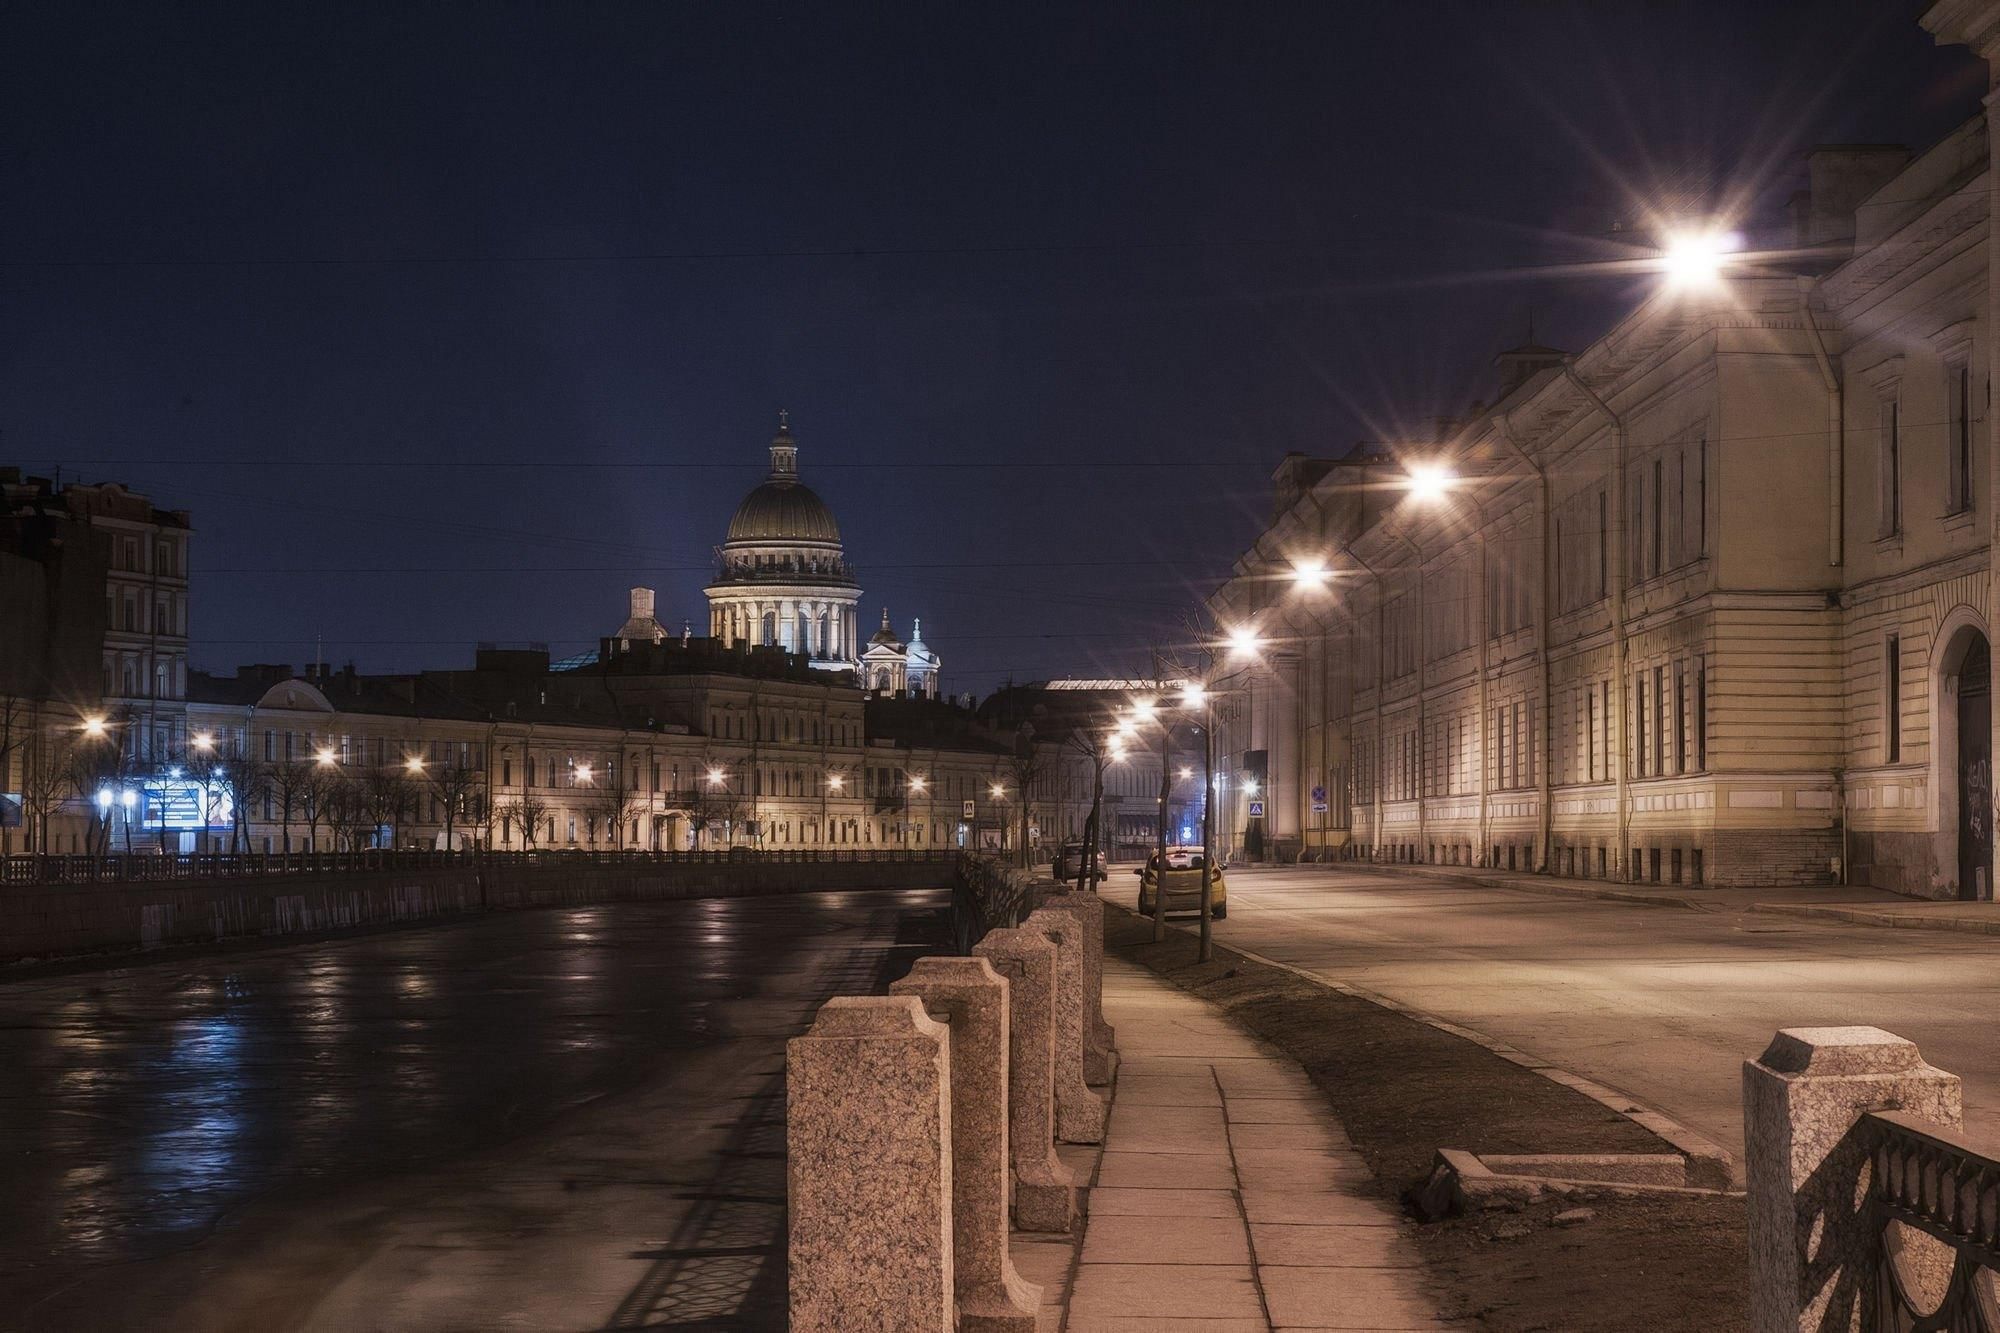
(834, 782)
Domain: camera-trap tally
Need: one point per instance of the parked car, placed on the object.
(1182, 884)
(1069, 861)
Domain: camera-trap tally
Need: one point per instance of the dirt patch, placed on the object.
(1404, 1089)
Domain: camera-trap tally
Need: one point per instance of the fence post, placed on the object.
(1044, 1188)
(1099, 1039)
(1079, 1111)
(971, 998)
(1813, 1238)
(868, 1124)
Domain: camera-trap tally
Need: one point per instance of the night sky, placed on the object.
(451, 322)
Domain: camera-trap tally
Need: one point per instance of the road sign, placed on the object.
(1319, 800)
(969, 812)
(1256, 809)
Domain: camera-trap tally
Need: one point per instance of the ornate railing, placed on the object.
(1931, 1180)
(139, 867)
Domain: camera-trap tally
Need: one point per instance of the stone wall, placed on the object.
(55, 921)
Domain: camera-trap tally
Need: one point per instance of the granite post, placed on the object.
(1099, 1040)
(1813, 1241)
(1044, 1188)
(970, 998)
(868, 1121)
(1079, 1111)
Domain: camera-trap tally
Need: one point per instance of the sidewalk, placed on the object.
(1857, 903)
(1228, 1197)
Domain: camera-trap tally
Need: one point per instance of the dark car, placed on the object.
(1069, 861)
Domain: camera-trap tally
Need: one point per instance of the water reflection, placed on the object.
(145, 1102)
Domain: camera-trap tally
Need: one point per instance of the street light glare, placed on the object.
(324, 756)
(1244, 640)
(415, 764)
(1310, 572)
(917, 784)
(1192, 693)
(997, 790)
(1186, 773)
(203, 741)
(835, 781)
(1429, 482)
(93, 726)
(1145, 708)
(715, 777)
(1696, 258)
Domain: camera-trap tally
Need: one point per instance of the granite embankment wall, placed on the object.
(65, 920)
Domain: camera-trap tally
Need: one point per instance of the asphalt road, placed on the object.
(1659, 1002)
(558, 1119)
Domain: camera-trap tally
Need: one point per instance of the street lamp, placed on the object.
(716, 777)
(1310, 572)
(1429, 482)
(415, 764)
(202, 741)
(93, 726)
(583, 773)
(1695, 258)
(1244, 640)
(325, 758)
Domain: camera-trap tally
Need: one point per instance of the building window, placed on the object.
(1700, 724)
(1603, 545)
(1889, 485)
(1959, 491)
(1639, 720)
(1892, 700)
(1659, 513)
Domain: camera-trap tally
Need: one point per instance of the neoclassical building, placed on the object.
(1709, 601)
(781, 577)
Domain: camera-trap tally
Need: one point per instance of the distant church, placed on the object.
(782, 581)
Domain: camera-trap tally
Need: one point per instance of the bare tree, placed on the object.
(247, 781)
(345, 804)
(1028, 765)
(1090, 743)
(16, 730)
(459, 793)
(291, 783)
(94, 765)
(709, 801)
(388, 795)
(46, 777)
(612, 805)
(527, 811)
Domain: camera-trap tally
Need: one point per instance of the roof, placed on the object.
(780, 512)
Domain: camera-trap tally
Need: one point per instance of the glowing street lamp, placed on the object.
(1244, 640)
(1186, 773)
(1430, 482)
(1144, 709)
(835, 781)
(93, 726)
(918, 784)
(996, 791)
(202, 741)
(716, 777)
(1310, 572)
(325, 758)
(584, 773)
(415, 763)
(1193, 693)
(1696, 258)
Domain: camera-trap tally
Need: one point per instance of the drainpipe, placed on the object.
(1620, 645)
(1544, 615)
(1375, 777)
(1423, 799)
(1836, 447)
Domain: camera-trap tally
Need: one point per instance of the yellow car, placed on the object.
(1183, 884)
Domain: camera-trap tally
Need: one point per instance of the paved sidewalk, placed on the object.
(1228, 1197)
(1857, 903)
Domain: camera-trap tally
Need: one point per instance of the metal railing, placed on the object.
(1930, 1179)
(124, 868)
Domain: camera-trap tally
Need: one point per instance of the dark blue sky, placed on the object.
(285, 253)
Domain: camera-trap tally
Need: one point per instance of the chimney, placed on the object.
(642, 603)
(1839, 177)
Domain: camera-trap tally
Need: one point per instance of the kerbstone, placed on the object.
(868, 1118)
(1045, 1196)
(971, 999)
(1811, 1238)
(1079, 1111)
(1100, 1041)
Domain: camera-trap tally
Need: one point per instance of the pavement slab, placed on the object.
(1228, 1197)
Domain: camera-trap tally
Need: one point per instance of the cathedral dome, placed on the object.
(780, 512)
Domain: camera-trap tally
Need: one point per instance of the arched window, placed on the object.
(770, 628)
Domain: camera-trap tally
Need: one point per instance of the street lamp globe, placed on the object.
(1244, 640)
(1310, 572)
(1695, 258)
(1430, 482)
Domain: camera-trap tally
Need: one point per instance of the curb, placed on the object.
(1865, 917)
(1709, 1163)
(1547, 888)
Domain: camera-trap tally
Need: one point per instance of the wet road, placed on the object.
(542, 1119)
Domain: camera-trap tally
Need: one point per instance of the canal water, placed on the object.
(416, 1122)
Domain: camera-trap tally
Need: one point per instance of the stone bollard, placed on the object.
(1099, 1040)
(1044, 1188)
(868, 1118)
(1079, 1111)
(1812, 1239)
(971, 999)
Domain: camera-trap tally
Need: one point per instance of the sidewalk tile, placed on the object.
(1324, 1207)
(1299, 1169)
(1125, 1201)
(1318, 1136)
(1185, 1291)
(1156, 1170)
(1349, 1298)
(1166, 1240)
(1331, 1246)
(1276, 1110)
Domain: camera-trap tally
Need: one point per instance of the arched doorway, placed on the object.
(1975, 770)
